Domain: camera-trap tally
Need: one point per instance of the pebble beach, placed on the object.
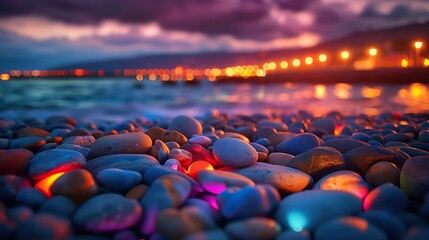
(216, 176)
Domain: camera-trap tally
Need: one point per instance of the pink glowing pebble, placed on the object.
(183, 156)
(199, 153)
(197, 166)
(217, 181)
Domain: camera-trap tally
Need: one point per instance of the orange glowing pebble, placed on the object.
(45, 185)
(197, 166)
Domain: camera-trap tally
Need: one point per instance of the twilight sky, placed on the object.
(42, 33)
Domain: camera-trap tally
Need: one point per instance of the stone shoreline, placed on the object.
(218, 176)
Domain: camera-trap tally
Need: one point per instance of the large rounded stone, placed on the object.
(324, 124)
(352, 228)
(380, 198)
(218, 181)
(387, 222)
(253, 228)
(299, 144)
(54, 161)
(309, 209)
(126, 143)
(107, 213)
(381, 173)
(285, 179)
(253, 201)
(15, 161)
(346, 181)
(186, 125)
(318, 162)
(234, 153)
(415, 178)
(60, 206)
(32, 132)
(135, 162)
(30, 143)
(118, 180)
(77, 185)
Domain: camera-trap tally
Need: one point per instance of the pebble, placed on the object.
(386, 222)
(264, 132)
(187, 125)
(345, 144)
(414, 180)
(277, 125)
(4, 143)
(10, 185)
(54, 161)
(108, 213)
(399, 137)
(349, 228)
(309, 209)
(18, 214)
(381, 173)
(83, 141)
(380, 198)
(414, 152)
(15, 161)
(346, 181)
(285, 179)
(259, 148)
(83, 150)
(60, 119)
(137, 192)
(156, 172)
(135, 162)
(299, 144)
(423, 136)
(277, 158)
(59, 206)
(172, 145)
(234, 153)
(325, 124)
(118, 180)
(31, 132)
(166, 136)
(253, 228)
(129, 143)
(30, 143)
(78, 185)
(292, 235)
(235, 136)
(201, 140)
(257, 200)
(31, 197)
(318, 162)
(44, 226)
(199, 153)
(181, 155)
(215, 234)
(160, 151)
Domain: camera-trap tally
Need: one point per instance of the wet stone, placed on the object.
(299, 144)
(318, 162)
(199, 153)
(346, 181)
(277, 158)
(118, 180)
(181, 155)
(160, 151)
(127, 143)
(234, 153)
(107, 213)
(399, 137)
(78, 185)
(54, 161)
(15, 161)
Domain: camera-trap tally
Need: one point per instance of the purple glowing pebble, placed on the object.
(107, 213)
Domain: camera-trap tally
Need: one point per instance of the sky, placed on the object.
(45, 33)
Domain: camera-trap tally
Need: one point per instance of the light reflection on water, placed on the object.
(129, 98)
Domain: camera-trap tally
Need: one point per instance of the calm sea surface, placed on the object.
(126, 98)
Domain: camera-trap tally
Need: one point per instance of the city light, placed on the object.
(296, 62)
(345, 55)
(426, 62)
(284, 64)
(372, 51)
(404, 63)
(4, 77)
(418, 44)
(308, 60)
(272, 66)
(323, 57)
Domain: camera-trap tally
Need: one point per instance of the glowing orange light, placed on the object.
(404, 63)
(320, 91)
(79, 72)
(296, 62)
(372, 51)
(426, 62)
(323, 57)
(272, 66)
(139, 77)
(197, 166)
(212, 78)
(308, 60)
(229, 72)
(418, 44)
(260, 73)
(284, 64)
(35, 73)
(45, 185)
(100, 73)
(266, 67)
(345, 54)
(369, 92)
(342, 90)
(4, 77)
(152, 77)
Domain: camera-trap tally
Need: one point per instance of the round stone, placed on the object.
(83, 141)
(15, 161)
(126, 143)
(299, 144)
(381, 173)
(387, 222)
(60, 206)
(201, 140)
(31, 197)
(77, 185)
(181, 155)
(45, 226)
(54, 161)
(187, 125)
(346, 181)
(253, 228)
(118, 180)
(348, 228)
(277, 158)
(423, 136)
(345, 144)
(218, 181)
(380, 198)
(309, 209)
(325, 124)
(234, 153)
(32, 132)
(30, 143)
(108, 213)
(414, 180)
